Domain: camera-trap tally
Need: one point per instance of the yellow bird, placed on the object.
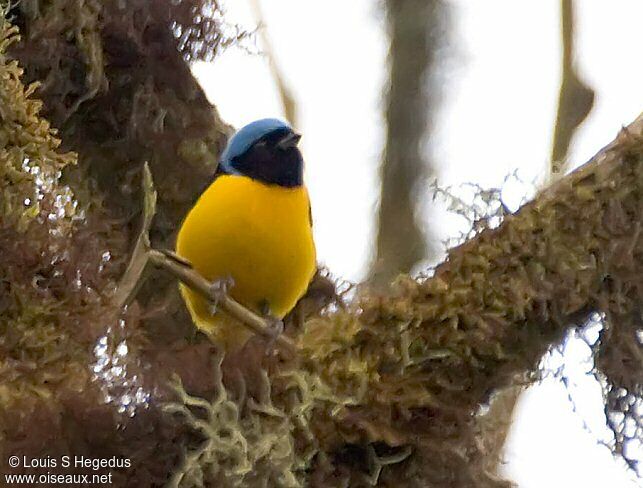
(253, 225)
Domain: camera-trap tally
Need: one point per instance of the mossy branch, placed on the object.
(144, 253)
(497, 304)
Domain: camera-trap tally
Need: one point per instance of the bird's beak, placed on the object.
(289, 140)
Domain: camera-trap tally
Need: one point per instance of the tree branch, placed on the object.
(494, 307)
(575, 98)
(131, 279)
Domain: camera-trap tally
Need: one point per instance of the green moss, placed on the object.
(246, 442)
(37, 215)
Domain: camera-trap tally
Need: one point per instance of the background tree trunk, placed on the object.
(417, 33)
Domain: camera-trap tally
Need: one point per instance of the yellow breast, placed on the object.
(258, 234)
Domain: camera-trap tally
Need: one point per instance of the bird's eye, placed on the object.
(261, 144)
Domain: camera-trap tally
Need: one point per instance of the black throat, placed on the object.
(270, 164)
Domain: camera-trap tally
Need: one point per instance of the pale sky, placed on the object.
(497, 116)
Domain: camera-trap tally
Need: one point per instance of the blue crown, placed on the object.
(247, 136)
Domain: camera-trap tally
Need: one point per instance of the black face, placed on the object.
(273, 159)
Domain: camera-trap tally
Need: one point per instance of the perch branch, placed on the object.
(143, 254)
(198, 283)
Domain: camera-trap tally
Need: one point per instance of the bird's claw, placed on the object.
(275, 329)
(218, 290)
(275, 325)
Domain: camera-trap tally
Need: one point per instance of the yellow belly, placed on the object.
(258, 234)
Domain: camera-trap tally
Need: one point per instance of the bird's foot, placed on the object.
(218, 291)
(275, 325)
(275, 329)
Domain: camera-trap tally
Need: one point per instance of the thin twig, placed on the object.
(203, 287)
(131, 280)
(377, 462)
(143, 254)
(285, 93)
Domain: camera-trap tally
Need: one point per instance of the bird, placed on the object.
(251, 228)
